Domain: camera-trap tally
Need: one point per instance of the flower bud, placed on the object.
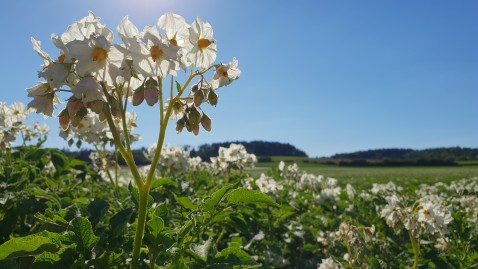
(195, 129)
(70, 142)
(138, 96)
(212, 98)
(76, 119)
(64, 119)
(78, 143)
(189, 126)
(96, 106)
(198, 98)
(180, 125)
(194, 117)
(74, 105)
(206, 122)
(194, 88)
(151, 95)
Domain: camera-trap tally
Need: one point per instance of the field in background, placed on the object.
(364, 177)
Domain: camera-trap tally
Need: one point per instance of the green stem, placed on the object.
(9, 156)
(138, 239)
(416, 249)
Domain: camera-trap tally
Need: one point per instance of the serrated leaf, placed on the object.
(83, 234)
(155, 226)
(233, 256)
(243, 195)
(217, 197)
(29, 245)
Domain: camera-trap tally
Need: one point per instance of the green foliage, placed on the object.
(71, 218)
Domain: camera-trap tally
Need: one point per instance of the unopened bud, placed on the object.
(206, 122)
(74, 105)
(194, 117)
(114, 106)
(138, 96)
(78, 144)
(64, 119)
(198, 98)
(76, 119)
(196, 129)
(180, 125)
(96, 106)
(70, 142)
(189, 126)
(151, 95)
(102, 117)
(212, 98)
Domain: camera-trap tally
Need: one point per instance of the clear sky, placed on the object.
(325, 76)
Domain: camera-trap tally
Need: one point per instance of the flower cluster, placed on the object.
(100, 74)
(423, 217)
(172, 160)
(12, 124)
(94, 131)
(233, 158)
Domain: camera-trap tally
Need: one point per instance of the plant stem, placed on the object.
(416, 249)
(9, 156)
(138, 239)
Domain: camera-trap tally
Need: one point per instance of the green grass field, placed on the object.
(364, 177)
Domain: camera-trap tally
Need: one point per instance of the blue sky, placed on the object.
(325, 76)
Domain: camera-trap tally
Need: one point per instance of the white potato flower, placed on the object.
(203, 52)
(225, 74)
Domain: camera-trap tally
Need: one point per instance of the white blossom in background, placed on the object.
(329, 263)
(196, 164)
(268, 185)
(233, 158)
(172, 160)
(12, 125)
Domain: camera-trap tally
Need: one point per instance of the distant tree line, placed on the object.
(259, 148)
(451, 154)
(406, 157)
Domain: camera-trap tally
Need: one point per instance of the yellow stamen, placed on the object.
(61, 58)
(222, 72)
(99, 54)
(204, 43)
(173, 42)
(156, 53)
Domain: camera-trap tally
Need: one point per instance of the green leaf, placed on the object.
(61, 259)
(216, 197)
(29, 245)
(186, 202)
(178, 86)
(155, 226)
(163, 182)
(119, 221)
(109, 260)
(83, 234)
(233, 256)
(243, 195)
(97, 209)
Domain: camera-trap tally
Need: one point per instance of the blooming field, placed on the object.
(59, 212)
